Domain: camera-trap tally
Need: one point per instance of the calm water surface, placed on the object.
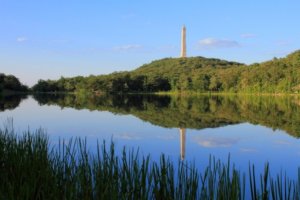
(250, 129)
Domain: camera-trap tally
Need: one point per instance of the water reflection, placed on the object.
(196, 112)
(10, 102)
(182, 132)
(189, 128)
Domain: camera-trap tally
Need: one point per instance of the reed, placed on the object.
(31, 168)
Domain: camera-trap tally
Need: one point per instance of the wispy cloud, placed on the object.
(167, 48)
(278, 53)
(248, 150)
(128, 47)
(212, 142)
(21, 39)
(59, 41)
(128, 136)
(128, 16)
(217, 43)
(248, 35)
(282, 142)
(283, 43)
(166, 137)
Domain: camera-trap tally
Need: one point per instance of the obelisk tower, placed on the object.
(182, 143)
(183, 42)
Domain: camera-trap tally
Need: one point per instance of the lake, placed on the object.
(251, 129)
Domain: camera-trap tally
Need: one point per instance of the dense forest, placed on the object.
(11, 84)
(195, 74)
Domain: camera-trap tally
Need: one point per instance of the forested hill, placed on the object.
(177, 66)
(11, 84)
(197, 74)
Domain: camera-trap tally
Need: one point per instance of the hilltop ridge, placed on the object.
(195, 74)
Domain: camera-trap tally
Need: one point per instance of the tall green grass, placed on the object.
(31, 168)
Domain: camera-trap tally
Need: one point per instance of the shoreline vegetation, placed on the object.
(179, 76)
(191, 93)
(164, 93)
(10, 85)
(188, 76)
(32, 168)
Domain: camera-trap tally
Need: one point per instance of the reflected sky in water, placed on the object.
(244, 141)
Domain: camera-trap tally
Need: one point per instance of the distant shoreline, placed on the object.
(184, 93)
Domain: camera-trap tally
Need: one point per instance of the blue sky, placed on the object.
(50, 39)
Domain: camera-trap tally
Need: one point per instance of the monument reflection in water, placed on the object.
(182, 132)
(249, 128)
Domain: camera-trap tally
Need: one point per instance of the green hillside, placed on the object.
(194, 74)
(177, 66)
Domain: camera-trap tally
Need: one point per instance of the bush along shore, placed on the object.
(31, 168)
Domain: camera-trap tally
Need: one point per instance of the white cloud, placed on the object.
(128, 16)
(248, 35)
(59, 41)
(128, 47)
(212, 142)
(166, 137)
(283, 43)
(282, 142)
(21, 39)
(278, 53)
(248, 150)
(167, 48)
(217, 43)
(128, 136)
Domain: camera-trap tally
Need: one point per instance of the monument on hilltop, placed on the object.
(183, 42)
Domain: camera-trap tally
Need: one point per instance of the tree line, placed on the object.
(195, 74)
(10, 83)
(117, 82)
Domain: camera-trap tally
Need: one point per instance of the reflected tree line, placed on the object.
(194, 112)
(10, 102)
